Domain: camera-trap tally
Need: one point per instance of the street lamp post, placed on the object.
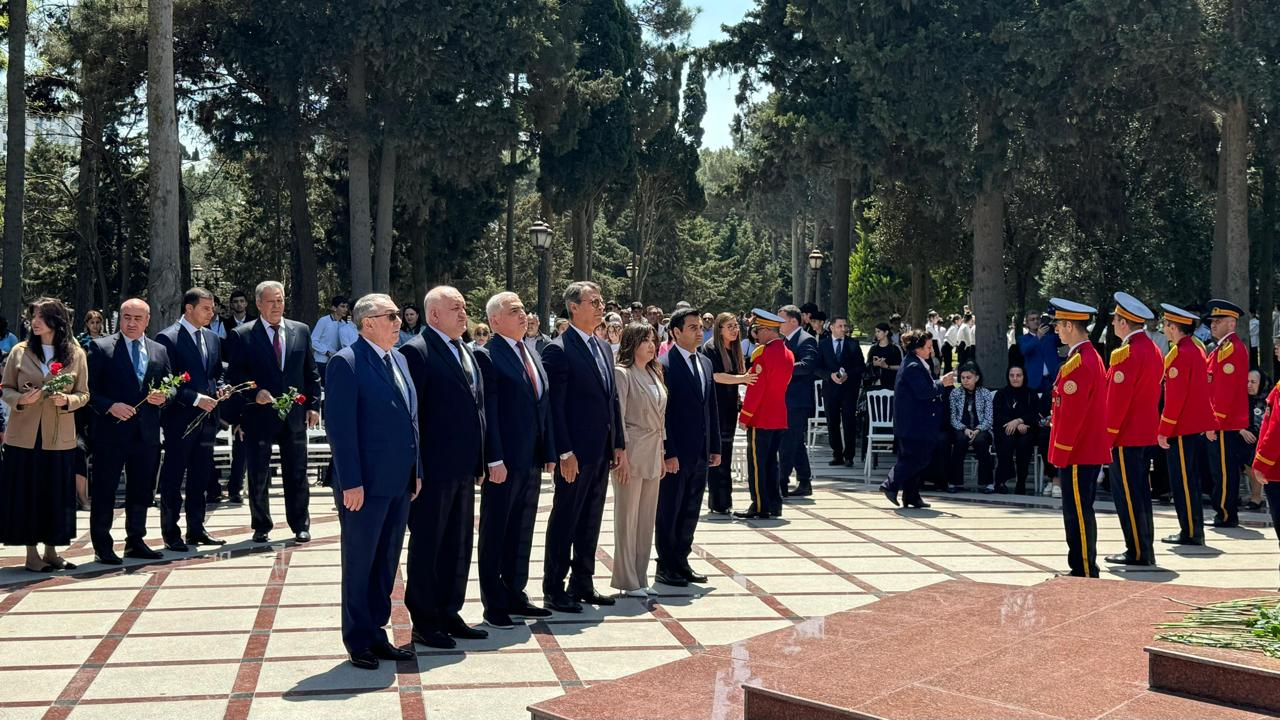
(540, 236)
(631, 275)
(815, 264)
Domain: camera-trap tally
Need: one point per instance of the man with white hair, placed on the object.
(451, 427)
(518, 448)
(373, 430)
(275, 353)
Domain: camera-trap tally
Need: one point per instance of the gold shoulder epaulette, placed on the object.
(1170, 356)
(1119, 355)
(1070, 365)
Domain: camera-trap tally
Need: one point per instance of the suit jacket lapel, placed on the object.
(125, 358)
(575, 339)
(439, 345)
(380, 368)
(259, 332)
(502, 350)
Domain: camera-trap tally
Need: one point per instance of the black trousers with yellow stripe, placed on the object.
(1186, 453)
(762, 470)
(1131, 491)
(1227, 455)
(1079, 486)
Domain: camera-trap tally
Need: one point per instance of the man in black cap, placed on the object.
(1229, 396)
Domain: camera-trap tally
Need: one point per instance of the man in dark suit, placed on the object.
(123, 370)
(451, 427)
(373, 431)
(587, 426)
(195, 350)
(275, 353)
(840, 364)
(800, 403)
(692, 445)
(917, 408)
(240, 315)
(518, 447)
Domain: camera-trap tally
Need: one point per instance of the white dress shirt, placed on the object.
(284, 338)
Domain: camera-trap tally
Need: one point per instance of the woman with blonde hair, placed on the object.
(642, 394)
(37, 476)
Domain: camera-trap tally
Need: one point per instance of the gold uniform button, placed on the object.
(1228, 368)
(1173, 373)
(1070, 387)
(1118, 376)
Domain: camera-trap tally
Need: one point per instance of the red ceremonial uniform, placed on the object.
(1133, 392)
(765, 405)
(1228, 383)
(1079, 396)
(1186, 391)
(1268, 453)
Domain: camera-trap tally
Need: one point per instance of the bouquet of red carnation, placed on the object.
(224, 392)
(284, 403)
(57, 381)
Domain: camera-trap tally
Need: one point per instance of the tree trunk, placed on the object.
(383, 229)
(164, 166)
(839, 306)
(1235, 136)
(416, 236)
(798, 263)
(919, 293)
(87, 205)
(988, 259)
(1218, 253)
(184, 234)
(579, 223)
(305, 301)
(358, 176)
(509, 242)
(1266, 266)
(15, 171)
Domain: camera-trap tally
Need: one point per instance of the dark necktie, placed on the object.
(839, 347)
(395, 377)
(139, 368)
(528, 368)
(276, 345)
(697, 375)
(466, 367)
(204, 353)
(600, 363)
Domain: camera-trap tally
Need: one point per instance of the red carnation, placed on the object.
(300, 399)
(186, 377)
(55, 368)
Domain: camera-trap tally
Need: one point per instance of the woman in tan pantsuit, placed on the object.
(643, 396)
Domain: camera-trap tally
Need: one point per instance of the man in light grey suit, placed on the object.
(372, 411)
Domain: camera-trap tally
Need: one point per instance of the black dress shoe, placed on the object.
(176, 546)
(1177, 539)
(749, 515)
(889, 493)
(1123, 559)
(434, 638)
(462, 631)
(668, 579)
(1225, 524)
(835, 461)
(803, 490)
(498, 619)
(529, 611)
(593, 598)
(954, 488)
(848, 463)
(204, 538)
(302, 536)
(387, 651)
(365, 660)
(140, 551)
(108, 557)
(563, 603)
(692, 576)
(235, 499)
(919, 504)
(261, 537)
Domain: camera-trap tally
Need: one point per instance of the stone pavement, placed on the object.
(254, 633)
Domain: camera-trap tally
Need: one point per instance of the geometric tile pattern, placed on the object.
(255, 634)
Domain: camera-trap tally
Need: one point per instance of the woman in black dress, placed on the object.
(1016, 422)
(37, 475)
(728, 366)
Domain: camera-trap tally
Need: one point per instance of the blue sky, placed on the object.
(721, 87)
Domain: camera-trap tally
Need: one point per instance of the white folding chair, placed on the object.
(879, 428)
(817, 424)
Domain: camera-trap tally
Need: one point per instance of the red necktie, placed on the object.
(528, 368)
(275, 344)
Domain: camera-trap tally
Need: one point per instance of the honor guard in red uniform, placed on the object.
(1133, 421)
(764, 415)
(1185, 417)
(1229, 396)
(1266, 460)
(1078, 443)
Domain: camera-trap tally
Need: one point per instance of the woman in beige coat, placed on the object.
(643, 396)
(37, 476)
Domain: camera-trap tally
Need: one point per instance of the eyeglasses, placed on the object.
(597, 302)
(394, 314)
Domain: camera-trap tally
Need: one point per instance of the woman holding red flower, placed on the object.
(45, 379)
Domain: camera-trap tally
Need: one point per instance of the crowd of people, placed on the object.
(422, 404)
